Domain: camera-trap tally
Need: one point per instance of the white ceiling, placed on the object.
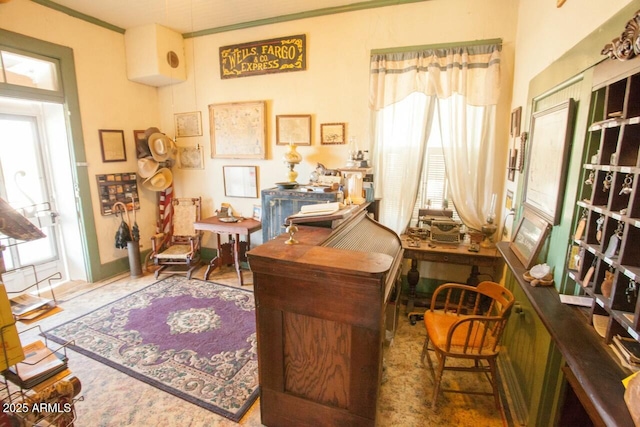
(187, 16)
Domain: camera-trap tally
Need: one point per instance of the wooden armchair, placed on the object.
(180, 249)
(470, 327)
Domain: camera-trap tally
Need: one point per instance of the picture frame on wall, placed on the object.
(142, 146)
(516, 118)
(112, 145)
(188, 124)
(240, 181)
(547, 160)
(238, 130)
(293, 129)
(191, 157)
(332, 133)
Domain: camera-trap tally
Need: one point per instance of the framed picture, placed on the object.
(188, 124)
(332, 133)
(294, 129)
(238, 130)
(548, 156)
(528, 238)
(112, 145)
(240, 181)
(142, 146)
(257, 212)
(516, 116)
(191, 157)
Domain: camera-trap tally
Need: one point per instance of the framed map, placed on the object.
(188, 124)
(238, 130)
(293, 129)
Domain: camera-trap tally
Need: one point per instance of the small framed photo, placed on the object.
(142, 146)
(257, 212)
(293, 129)
(188, 124)
(332, 133)
(516, 117)
(112, 145)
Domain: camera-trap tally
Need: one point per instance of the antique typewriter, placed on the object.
(444, 230)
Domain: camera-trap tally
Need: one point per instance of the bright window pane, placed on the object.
(30, 72)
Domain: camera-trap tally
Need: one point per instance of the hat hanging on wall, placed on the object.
(162, 147)
(159, 181)
(147, 167)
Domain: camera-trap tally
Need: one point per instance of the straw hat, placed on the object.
(162, 147)
(150, 131)
(147, 167)
(160, 181)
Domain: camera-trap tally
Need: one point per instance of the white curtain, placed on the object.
(465, 84)
(400, 143)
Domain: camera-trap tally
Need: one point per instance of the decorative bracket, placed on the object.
(628, 44)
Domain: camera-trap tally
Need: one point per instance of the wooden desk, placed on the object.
(234, 251)
(447, 253)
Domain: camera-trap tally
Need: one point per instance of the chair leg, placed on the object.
(159, 270)
(425, 352)
(438, 378)
(424, 348)
(494, 381)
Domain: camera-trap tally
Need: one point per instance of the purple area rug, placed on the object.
(191, 338)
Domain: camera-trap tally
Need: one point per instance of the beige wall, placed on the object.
(333, 89)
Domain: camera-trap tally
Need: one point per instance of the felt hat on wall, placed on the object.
(159, 181)
(162, 147)
(147, 167)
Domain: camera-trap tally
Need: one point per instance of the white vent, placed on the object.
(155, 55)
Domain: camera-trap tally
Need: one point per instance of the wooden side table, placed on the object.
(233, 252)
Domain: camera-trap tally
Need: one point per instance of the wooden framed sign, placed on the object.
(264, 57)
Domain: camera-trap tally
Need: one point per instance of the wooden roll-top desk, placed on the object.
(321, 306)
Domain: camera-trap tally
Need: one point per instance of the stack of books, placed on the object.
(628, 350)
(40, 364)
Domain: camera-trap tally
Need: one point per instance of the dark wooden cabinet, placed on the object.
(609, 200)
(279, 204)
(321, 307)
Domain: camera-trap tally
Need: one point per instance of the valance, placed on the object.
(470, 71)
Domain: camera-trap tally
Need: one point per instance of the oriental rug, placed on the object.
(189, 337)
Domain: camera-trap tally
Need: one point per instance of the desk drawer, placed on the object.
(448, 258)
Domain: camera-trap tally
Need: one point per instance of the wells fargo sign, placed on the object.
(264, 57)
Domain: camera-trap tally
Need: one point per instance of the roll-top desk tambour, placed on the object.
(320, 314)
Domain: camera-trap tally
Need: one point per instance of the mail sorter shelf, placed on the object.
(609, 207)
(45, 402)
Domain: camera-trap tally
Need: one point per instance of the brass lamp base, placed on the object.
(488, 230)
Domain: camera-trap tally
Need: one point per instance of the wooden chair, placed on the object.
(468, 326)
(182, 246)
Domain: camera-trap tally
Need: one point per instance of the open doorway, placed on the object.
(35, 179)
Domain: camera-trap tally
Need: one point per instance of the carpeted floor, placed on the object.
(112, 398)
